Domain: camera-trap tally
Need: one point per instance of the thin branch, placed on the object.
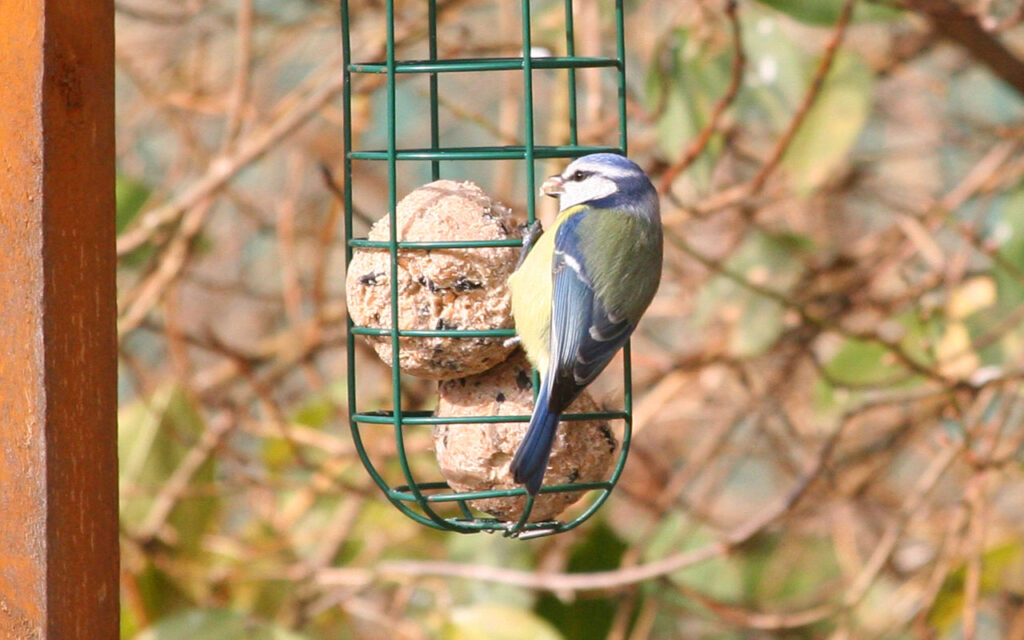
(140, 300)
(249, 149)
(179, 482)
(598, 580)
(240, 84)
(818, 81)
(698, 145)
(952, 23)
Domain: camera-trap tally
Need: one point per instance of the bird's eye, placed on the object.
(579, 176)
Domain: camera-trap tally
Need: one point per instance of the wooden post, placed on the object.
(58, 367)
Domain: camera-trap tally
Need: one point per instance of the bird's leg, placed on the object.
(533, 232)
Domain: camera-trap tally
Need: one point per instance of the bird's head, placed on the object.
(598, 176)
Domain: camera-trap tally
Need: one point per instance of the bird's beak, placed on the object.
(552, 186)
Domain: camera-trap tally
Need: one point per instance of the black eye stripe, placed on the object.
(579, 175)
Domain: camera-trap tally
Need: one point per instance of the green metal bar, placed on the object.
(464, 508)
(486, 153)
(436, 333)
(528, 132)
(620, 52)
(570, 50)
(530, 155)
(435, 244)
(420, 418)
(347, 191)
(517, 528)
(583, 517)
(435, 135)
(502, 493)
(346, 107)
(484, 64)
(627, 409)
(396, 378)
(627, 368)
(521, 528)
(396, 371)
(351, 336)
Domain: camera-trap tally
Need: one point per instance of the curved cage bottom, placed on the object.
(426, 502)
(435, 504)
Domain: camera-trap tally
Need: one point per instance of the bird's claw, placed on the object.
(530, 235)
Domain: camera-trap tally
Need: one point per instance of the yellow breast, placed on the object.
(530, 287)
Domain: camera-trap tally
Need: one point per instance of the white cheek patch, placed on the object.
(592, 188)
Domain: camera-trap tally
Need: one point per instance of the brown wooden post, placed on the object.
(58, 367)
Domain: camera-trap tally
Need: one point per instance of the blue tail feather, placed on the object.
(531, 459)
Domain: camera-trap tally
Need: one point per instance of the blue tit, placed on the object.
(581, 288)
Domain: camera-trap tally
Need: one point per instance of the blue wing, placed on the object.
(584, 334)
(584, 337)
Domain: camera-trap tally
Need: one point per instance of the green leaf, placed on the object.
(497, 622)
(489, 550)
(215, 624)
(859, 362)
(760, 324)
(832, 126)
(789, 571)
(316, 412)
(719, 577)
(130, 194)
(154, 436)
(777, 70)
(586, 618)
(826, 12)
(683, 85)
(1007, 222)
(156, 595)
(997, 562)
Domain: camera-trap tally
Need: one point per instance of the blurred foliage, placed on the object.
(588, 617)
(829, 429)
(826, 12)
(199, 624)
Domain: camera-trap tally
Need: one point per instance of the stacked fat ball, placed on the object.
(466, 289)
(439, 288)
(475, 457)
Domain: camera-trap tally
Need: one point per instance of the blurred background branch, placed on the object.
(953, 23)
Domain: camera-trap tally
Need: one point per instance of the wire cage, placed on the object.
(423, 500)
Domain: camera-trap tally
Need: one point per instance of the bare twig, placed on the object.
(598, 580)
(697, 146)
(810, 97)
(170, 265)
(249, 148)
(949, 20)
(243, 58)
(179, 482)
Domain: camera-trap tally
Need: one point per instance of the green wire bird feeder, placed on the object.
(423, 501)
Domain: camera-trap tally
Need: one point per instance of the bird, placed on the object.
(581, 287)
